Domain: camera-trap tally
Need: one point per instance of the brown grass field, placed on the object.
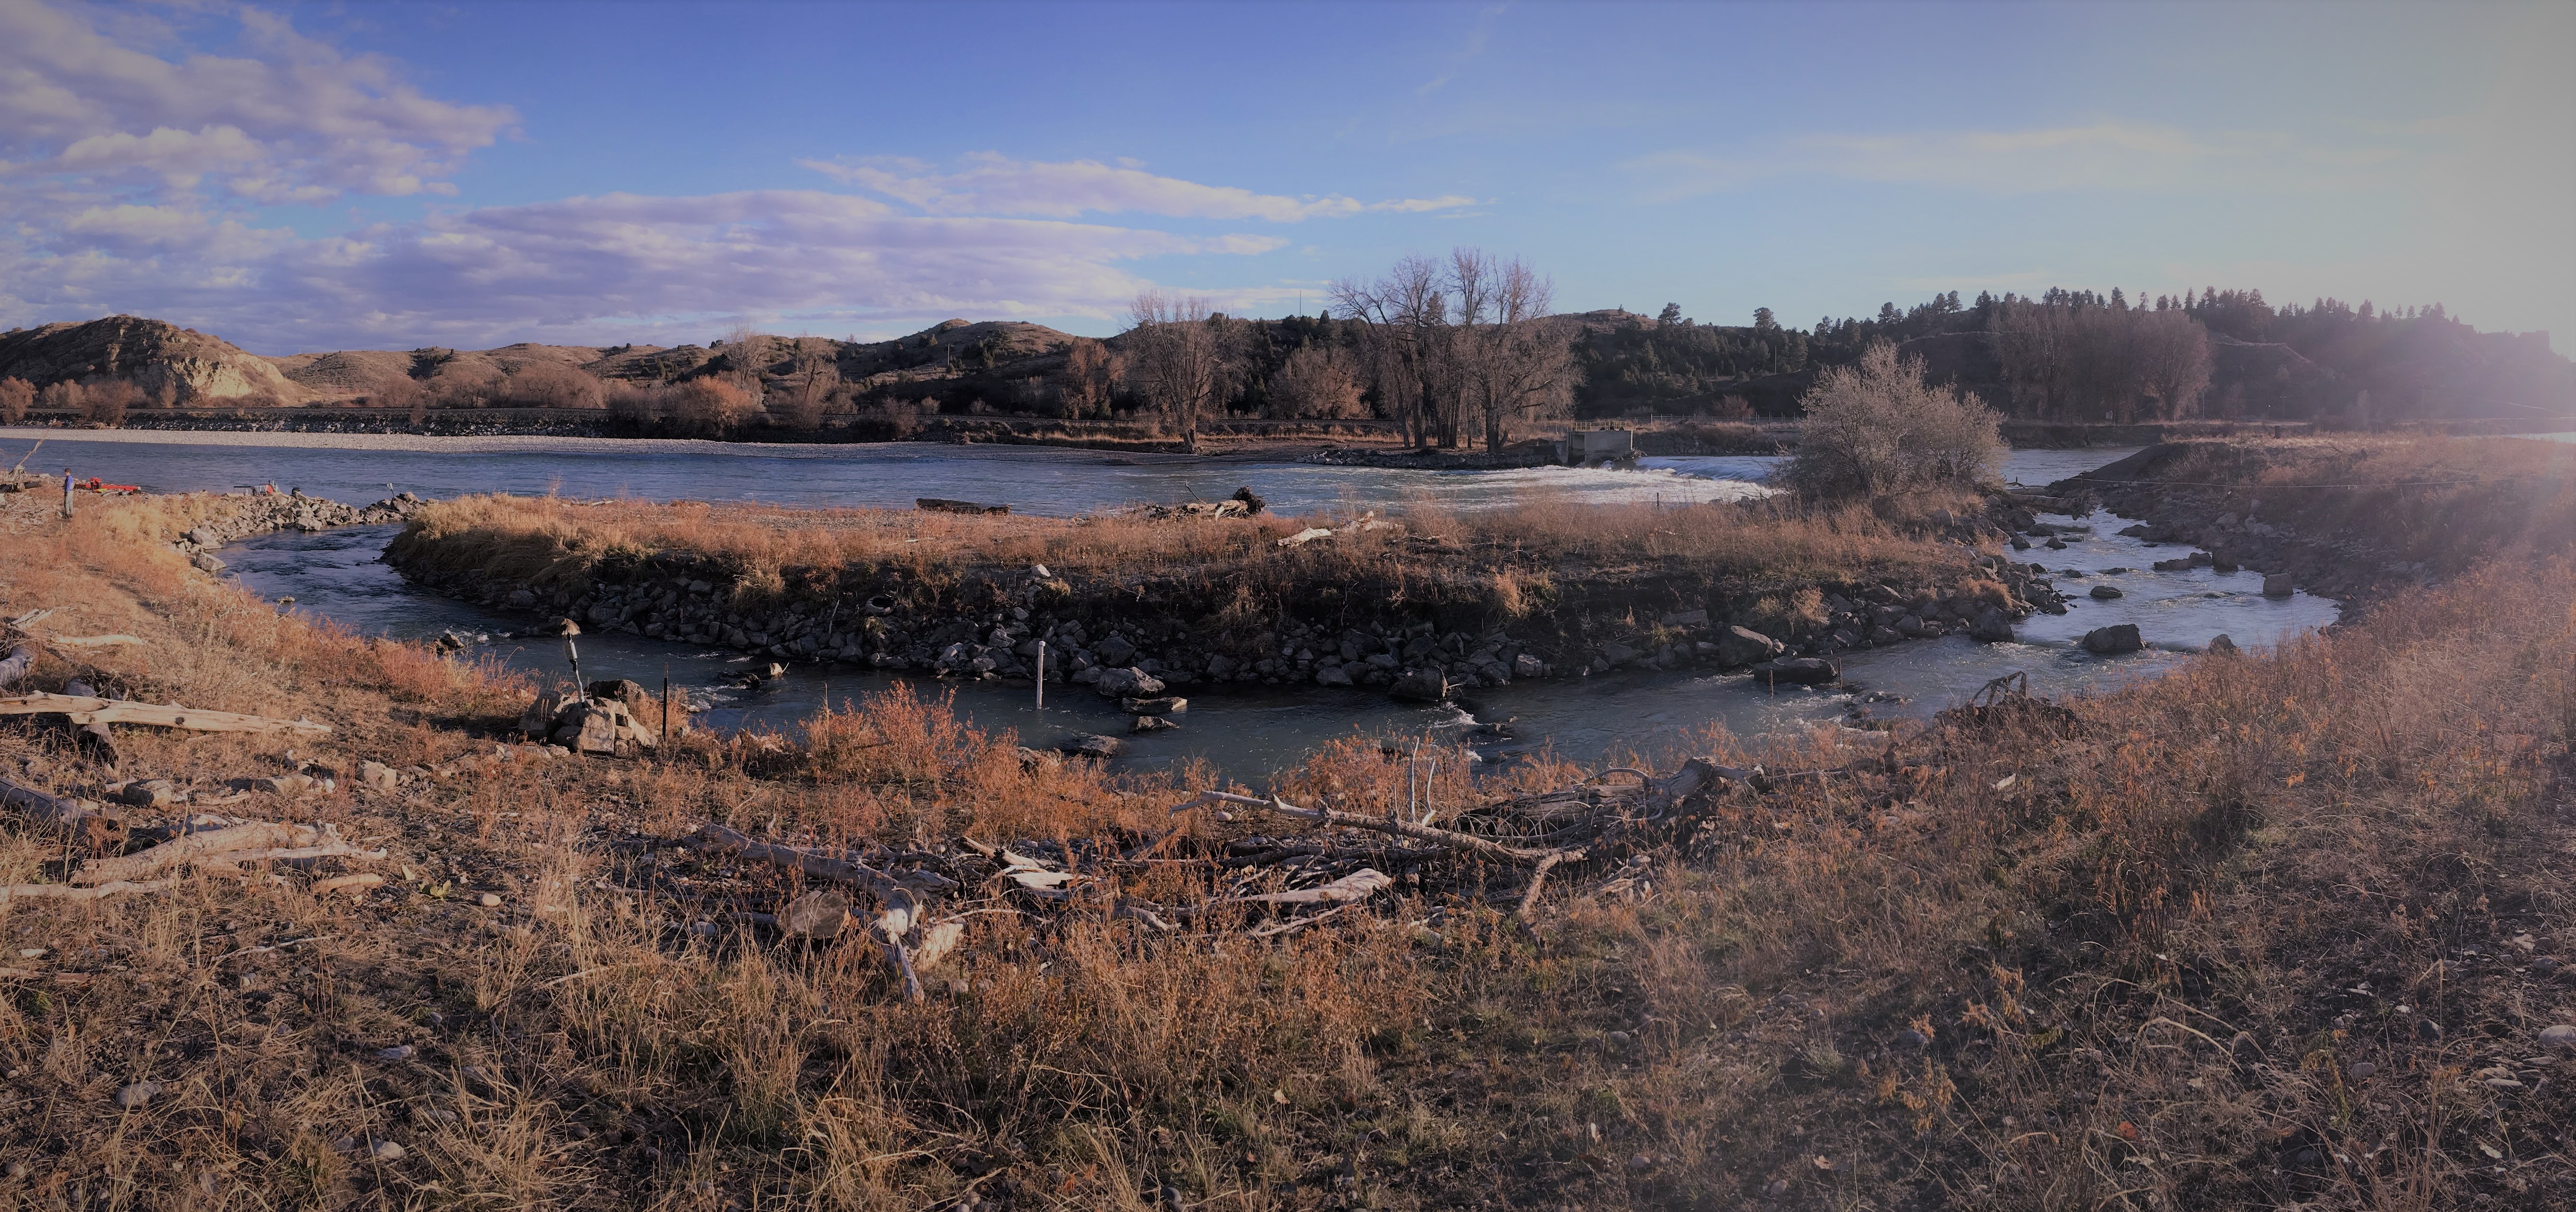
(2269, 932)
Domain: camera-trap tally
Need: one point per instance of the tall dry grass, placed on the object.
(2097, 955)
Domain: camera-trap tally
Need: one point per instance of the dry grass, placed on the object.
(2128, 969)
(2451, 503)
(1546, 554)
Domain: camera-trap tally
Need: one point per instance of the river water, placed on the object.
(1242, 731)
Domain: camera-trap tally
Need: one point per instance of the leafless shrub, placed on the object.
(1318, 381)
(1875, 429)
(15, 395)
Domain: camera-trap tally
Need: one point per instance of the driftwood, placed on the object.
(1353, 820)
(90, 641)
(15, 666)
(941, 505)
(90, 709)
(839, 870)
(93, 734)
(225, 844)
(69, 892)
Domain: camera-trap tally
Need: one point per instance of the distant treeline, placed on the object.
(2080, 355)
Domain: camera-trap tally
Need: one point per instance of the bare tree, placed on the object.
(1515, 366)
(1179, 358)
(65, 396)
(1404, 320)
(1091, 377)
(1317, 381)
(815, 372)
(747, 361)
(2172, 350)
(15, 395)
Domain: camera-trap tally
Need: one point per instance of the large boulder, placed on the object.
(1421, 686)
(1992, 626)
(1800, 671)
(1127, 683)
(538, 721)
(600, 726)
(1116, 650)
(2113, 640)
(1092, 745)
(2105, 593)
(1740, 646)
(2276, 585)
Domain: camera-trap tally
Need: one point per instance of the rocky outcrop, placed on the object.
(196, 367)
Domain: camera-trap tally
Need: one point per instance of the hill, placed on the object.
(195, 367)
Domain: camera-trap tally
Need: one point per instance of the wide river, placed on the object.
(1244, 732)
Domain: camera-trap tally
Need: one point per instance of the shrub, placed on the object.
(711, 406)
(1876, 429)
(15, 396)
(107, 403)
(550, 385)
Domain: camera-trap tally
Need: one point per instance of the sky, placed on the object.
(390, 175)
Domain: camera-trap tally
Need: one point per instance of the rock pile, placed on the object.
(262, 514)
(691, 599)
(592, 724)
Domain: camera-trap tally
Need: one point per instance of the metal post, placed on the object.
(666, 704)
(1041, 675)
(580, 688)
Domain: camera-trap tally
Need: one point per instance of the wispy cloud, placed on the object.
(991, 184)
(1479, 36)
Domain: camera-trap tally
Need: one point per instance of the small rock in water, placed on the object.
(2220, 645)
(1152, 723)
(2104, 593)
(137, 1094)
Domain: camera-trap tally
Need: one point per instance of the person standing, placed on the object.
(67, 492)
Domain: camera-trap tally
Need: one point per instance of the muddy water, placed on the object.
(1249, 731)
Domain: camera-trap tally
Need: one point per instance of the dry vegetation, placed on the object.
(1500, 563)
(2452, 503)
(2125, 953)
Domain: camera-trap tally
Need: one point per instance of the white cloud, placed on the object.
(296, 121)
(991, 184)
(127, 182)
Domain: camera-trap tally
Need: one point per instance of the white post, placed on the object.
(1041, 675)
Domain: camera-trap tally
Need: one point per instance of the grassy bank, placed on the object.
(2268, 932)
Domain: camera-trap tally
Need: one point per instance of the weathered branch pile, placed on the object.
(913, 903)
(97, 865)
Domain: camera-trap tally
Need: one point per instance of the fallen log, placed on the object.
(90, 641)
(884, 886)
(210, 843)
(93, 735)
(942, 505)
(1352, 820)
(68, 892)
(91, 709)
(20, 659)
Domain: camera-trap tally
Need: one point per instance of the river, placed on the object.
(1244, 732)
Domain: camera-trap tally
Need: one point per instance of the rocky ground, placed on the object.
(240, 515)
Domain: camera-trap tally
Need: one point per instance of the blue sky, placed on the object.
(303, 177)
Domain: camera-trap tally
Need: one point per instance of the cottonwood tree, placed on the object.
(1514, 365)
(1180, 359)
(1459, 344)
(15, 396)
(64, 396)
(1403, 329)
(107, 403)
(2079, 357)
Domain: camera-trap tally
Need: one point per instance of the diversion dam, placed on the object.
(1245, 730)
